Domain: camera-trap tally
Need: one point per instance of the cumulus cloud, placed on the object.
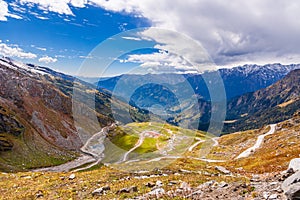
(64, 6)
(58, 6)
(232, 32)
(4, 12)
(14, 51)
(160, 62)
(47, 59)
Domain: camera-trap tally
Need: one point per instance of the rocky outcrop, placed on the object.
(5, 144)
(291, 185)
(9, 124)
(294, 164)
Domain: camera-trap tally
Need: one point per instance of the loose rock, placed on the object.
(293, 192)
(185, 186)
(222, 170)
(127, 190)
(150, 184)
(72, 177)
(101, 190)
(295, 164)
(159, 184)
(157, 192)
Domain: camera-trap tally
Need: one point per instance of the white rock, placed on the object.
(98, 191)
(157, 191)
(266, 195)
(222, 170)
(159, 184)
(293, 191)
(295, 164)
(185, 186)
(72, 176)
(273, 197)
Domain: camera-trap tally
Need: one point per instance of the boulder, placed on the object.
(98, 191)
(185, 186)
(273, 197)
(127, 190)
(157, 192)
(159, 184)
(293, 192)
(291, 185)
(222, 170)
(72, 177)
(150, 184)
(101, 190)
(223, 184)
(295, 164)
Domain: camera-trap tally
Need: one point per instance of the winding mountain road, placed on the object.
(92, 153)
(139, 143)
(215, 140)
(195, 144)
(82, 160)
(258, 143)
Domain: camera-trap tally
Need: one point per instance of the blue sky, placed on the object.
(61, 34)
(66, 39)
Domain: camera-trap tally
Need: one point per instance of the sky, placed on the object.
(167, 36)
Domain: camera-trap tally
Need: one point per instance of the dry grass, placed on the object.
(286, 103)
(230, 146)
(58, 186)
(274, 155)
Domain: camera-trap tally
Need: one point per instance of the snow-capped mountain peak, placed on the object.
(22, 67)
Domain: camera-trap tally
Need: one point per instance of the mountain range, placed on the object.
(255, 95)
(237, 80)
(273, 104)
(37, 106)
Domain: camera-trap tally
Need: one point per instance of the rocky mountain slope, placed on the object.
(273, 104)
(237, 81)
(36, 117)
(241, 83)
(270, 105)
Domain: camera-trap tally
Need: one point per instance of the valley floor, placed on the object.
(222, 174)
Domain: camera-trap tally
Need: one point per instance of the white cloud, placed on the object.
(78, 3)
(235, 31)
(179, 44)
(41, 48)
(159, 62)
(41, 17)
(47, 59)
(4, 12)
(58, 6)
(86, 57)
(63, 6)
(132, 38)
(14, 51)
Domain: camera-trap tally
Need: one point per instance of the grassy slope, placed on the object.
(278, 149)
(124, 138)
(29, 150)
(58, 186)
(274, 155)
